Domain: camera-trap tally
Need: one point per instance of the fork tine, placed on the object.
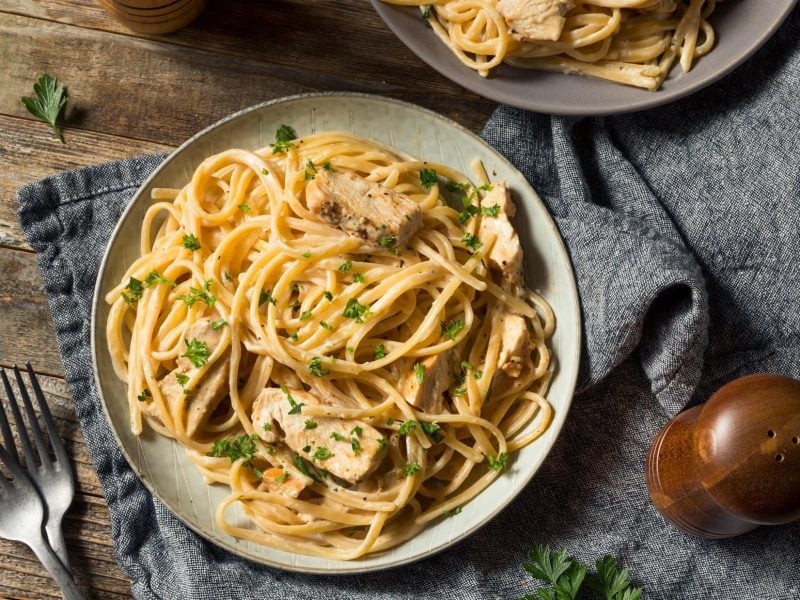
(33, 422)
(22, 431)
(52, 430)
(8, 438)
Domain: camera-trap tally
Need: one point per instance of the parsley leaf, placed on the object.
(356, 310)
(196, 352)
(328, 296)
(490, 211)
(325, 325)
(154, 277)
(380, 351)
(306, 314)
(315, 367)
(358, 278)
(266, 297)
(338, 436)
(218, 324)
(322, 453)
(381, 444)
(284, 137)
(407, 427)
(310, 171)
(356, 446)
(302, 466)
(419, 372)
(388, 242)
(411, 468)
(346, 266)
(196, 294)
(235, 448)
(498, 464)
(427, 177)
(245, 208)
(432, 430)
(453, 512)
(453, 329)
(282, 477)
(51, 97)
(470, 210)
(182, 380)
(190, 242)
(309, 424)
(327, 166)
(471, 241)
(296, 408)
(357, 431)
(135, 290)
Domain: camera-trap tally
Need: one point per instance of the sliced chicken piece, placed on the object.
(535, 19)
(280, 482)
(515, 348)
(204, 396)
(435, 374)
(506, 252)
(363, 209)
(347, 448)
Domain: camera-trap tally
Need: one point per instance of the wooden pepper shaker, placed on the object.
(726, 467)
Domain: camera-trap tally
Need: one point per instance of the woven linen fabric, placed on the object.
(682, 225)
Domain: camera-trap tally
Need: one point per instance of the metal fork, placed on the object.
(21, 520)
(53, 479)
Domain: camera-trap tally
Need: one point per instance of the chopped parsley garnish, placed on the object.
(322, 453)
(196, 294)
(182, 380)
(264, 171)
(296, 408)
(235, 448)
(294, 336)
(346, 266)
(380, 351)
(328, 296)
(356, 446)
(478, 374)
(327, 166)
(338, 437)
(498, 464)
(135, 290)
(218, 324)
(453, 512)
(267, 297)
(411, 468)
(196, 352)
(358, 278)
(154, 277)
(459, 391)
(471, 241)
(268, 427)
(490, 211)
(388, 242)
(245, 208)
(455, 186)
(453, 329)
(310, 171)
(467, 366)
(326, 325)
(302, 466)
(146, 394)
(427, 177)
(315, 367)
(407, 427)
(306, 314)
(356, 310)
(419, 372)
(190, 242)
(282, 477)
(284, 137)
(433, 431)
(306, 449)
(358, 431)
(227, 276)
(350, 349)
(381, 444)
(307, 254)
(470, 210)
(309, 424)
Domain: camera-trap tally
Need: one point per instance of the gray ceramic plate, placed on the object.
(742, 26)
(161, 464)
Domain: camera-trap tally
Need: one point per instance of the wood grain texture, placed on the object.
(133, 94)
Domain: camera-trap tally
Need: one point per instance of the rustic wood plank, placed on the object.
(324, 36)
(193, 88)
(28, 151)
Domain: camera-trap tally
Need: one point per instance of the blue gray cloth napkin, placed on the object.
(682, 224)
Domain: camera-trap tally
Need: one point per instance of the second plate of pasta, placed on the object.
(336, 333)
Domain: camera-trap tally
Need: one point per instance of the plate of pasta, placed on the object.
(578, 57)
(336, 333)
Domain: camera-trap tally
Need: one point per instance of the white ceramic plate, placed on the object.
(160, 462)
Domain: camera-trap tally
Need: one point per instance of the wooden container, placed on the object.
(724, 468)
(154, 16)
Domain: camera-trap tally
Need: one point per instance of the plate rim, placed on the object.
(660, 97)
(358, 568)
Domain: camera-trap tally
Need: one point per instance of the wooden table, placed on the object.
(133, 94)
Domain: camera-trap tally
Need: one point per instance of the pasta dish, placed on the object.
(337, 332)
(634, 42)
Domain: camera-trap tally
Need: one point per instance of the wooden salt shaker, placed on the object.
(726, 467)
(154, 16)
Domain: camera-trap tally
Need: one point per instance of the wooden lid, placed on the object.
(748, 440)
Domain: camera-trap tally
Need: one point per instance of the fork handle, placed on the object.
(51, 562)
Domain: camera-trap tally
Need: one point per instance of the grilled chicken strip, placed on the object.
(364, 209)
(506, 252)
(204, 395)
(347, 448)
(535, 19)
(428, 395)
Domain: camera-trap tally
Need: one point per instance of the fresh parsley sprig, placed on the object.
(571, 579)
(51, 98)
